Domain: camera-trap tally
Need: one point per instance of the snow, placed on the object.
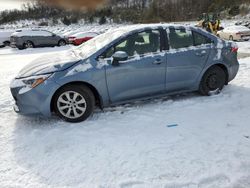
(84, 34)
(219, 46)
(21, 33)
(5, 36)
(49, 63)
(83, 67)
(24, 90)
(130, 146)
(236, 29)
(244, 47)
(16, 83)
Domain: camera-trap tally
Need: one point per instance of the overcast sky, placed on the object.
(11, 4)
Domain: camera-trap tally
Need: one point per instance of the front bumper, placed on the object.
(16, 109)
(34, 101)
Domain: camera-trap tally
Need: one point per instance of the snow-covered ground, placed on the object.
(132, 146)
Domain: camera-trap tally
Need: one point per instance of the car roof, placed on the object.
(151, 26)
(25, 30)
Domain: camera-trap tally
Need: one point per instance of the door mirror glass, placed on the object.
(119, 56)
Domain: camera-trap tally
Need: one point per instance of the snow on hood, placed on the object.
(49, 64)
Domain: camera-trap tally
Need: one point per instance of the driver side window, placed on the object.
(137, 44)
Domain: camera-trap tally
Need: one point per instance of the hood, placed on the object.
(49, 64)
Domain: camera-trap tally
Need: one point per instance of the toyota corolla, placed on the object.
(123, 65)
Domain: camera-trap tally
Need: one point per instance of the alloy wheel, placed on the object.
(28, 45)
(71, 104)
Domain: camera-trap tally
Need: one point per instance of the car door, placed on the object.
(53, 39)
(48, 39)
(142, 74)
(186, 58)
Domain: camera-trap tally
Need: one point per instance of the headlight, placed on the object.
(34, 81)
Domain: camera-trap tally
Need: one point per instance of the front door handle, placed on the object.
(157, 62)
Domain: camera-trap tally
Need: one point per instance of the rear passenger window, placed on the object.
(200, 39)
(180, 38)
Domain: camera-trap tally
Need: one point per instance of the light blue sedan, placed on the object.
(123, 65)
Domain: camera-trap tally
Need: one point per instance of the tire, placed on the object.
(28, 44)
(61, 43)
(74, 103)
(213, 81)
(231, 38)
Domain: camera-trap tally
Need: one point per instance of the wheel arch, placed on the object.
(223, 67)
(98, 98)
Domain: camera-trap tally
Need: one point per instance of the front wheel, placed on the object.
(213, 81)
(61, 43)
(74, 103)
(28, 44)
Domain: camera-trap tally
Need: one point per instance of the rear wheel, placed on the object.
(74, 103)
(231, 38)
(28, 44)
(213, 81)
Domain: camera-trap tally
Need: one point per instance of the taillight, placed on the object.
(238, 33)
(234, 49)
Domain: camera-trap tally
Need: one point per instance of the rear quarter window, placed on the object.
(180, 38)
(200, 39)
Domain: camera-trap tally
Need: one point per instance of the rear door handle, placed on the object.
(157, 62)
(201, 53)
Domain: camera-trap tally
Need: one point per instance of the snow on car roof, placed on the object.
(130, 28)
(5, 33)
(85, 34)
(32, 32)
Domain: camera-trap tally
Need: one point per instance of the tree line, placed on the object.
(119, 11)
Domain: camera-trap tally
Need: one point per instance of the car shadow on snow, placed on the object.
(63, 154)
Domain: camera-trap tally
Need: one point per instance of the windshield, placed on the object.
(90, 47)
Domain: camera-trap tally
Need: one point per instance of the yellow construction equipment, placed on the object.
(210, 22)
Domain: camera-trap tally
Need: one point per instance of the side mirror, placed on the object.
(119, 56)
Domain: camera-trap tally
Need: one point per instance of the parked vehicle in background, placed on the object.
(5, 38)
(235, 33)
(69, 33)
(79, 38)
(23, 39)
(245, 23)
(124, 65)
(210, 22)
